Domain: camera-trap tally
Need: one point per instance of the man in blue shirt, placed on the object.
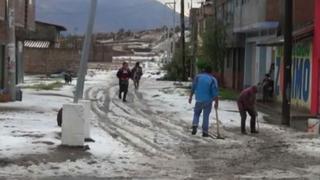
(205, 87)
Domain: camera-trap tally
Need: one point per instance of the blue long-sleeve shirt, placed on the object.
(205, 87)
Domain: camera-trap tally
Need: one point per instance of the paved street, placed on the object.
(154, 139)
(166, 143)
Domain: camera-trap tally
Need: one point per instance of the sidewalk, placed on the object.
(299, 117)
(31, 140)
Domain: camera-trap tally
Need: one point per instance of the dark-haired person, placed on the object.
(136, 75)
(267, 88)
(124, 75)
(205, 87)
(246, 104)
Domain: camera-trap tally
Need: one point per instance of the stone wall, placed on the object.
(49, 61)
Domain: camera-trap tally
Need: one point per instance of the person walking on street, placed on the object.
(124, 75)
(136, 75)
(267, 88)
(246, 104)
(205, 88)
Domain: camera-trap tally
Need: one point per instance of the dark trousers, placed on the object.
(243, 114)
(265, 94)
(124, 86)
(136, 83)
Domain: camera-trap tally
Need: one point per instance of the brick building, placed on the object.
(43, 53)
(45, 35)
(24, 22)
(255, 47)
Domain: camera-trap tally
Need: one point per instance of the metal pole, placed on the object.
(286, 99)
(171, 40)
(174, 29)
(183, 43)
(11, 47)
(20, 63)
(85, 53)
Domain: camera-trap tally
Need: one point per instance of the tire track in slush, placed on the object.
(110, 128)
(133, 121)
(160, 128)
(174, 124)
(157, 121)
(125, 134)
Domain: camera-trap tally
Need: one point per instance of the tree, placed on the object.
(121, 31)
(214, 46)
(175, 69)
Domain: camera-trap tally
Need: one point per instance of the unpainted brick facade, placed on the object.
(49, 61)
(25, 17)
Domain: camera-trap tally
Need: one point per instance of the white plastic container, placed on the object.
(313, 126)
(73, 123)
(87, 117)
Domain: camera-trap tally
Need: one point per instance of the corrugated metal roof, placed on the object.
(257, 27)
(37, 44)
(298, 35)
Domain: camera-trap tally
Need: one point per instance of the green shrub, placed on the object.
(46, 86)
(227, 94)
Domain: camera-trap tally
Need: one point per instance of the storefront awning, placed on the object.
(37, 44)
(257, 27)
(298, 35)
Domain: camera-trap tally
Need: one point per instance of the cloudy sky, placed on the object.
(195, 3)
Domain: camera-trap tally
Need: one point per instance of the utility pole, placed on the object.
(11, 47)
(85, 53)
(172, 38)
(286, 99)
(183, 43)
(174, 29)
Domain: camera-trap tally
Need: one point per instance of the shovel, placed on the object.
(218, 126)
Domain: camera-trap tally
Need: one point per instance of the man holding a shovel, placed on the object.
(246, 104)
(205, 87)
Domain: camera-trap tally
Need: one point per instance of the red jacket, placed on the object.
(247, 99)
(124, 74)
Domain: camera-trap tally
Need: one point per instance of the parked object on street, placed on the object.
(124, 75)
(19, 94)
(313, 126)
(59, 117)
(68, 77)
(136, 73)
(205, 87)
(247, 104)
(5, 98)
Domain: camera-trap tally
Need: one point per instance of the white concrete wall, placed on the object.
(269, 58)
(73, 123)
(87, 117)
(256, 60)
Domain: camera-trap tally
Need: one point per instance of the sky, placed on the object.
(195, 3)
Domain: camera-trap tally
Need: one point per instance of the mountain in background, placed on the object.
(112, 15)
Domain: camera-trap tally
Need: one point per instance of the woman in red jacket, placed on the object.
(124, 75)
